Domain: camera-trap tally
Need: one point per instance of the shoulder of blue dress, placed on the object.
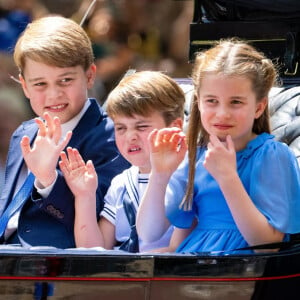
(254, 144)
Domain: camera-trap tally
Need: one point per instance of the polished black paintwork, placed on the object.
(89, 274)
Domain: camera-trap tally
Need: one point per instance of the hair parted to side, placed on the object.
(55, 41)
(230, 57)
(144, 92)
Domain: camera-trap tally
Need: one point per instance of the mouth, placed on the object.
(222, 126)
(56, 108)
(134, 149)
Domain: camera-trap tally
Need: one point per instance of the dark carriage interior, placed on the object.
(271, 30)
(274, 33)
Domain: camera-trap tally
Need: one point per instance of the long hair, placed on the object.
(230, 58)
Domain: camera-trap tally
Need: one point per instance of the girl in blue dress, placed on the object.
(237, 186)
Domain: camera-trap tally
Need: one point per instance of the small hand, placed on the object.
(42, 158)
(81, 178)
(167, 149)
(220, 158)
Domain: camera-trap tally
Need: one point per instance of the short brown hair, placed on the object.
(55, 41)
(144, 92)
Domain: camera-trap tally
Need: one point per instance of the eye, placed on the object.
(66, 81)
(211, 101)
(236, 101)
(120, 129)
(39, 84)
(143, 127)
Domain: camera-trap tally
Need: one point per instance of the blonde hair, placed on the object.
(143, 92)
(230, 57)
(55, 41)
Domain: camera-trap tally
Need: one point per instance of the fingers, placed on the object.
(178, 141)
(73, 166)
(172, 136)
(50, 123)
(71, 160)
(72, 157)
(215, 142)
(25, 145)
(216, 147)
(152, 137)
(66, 140)
(230, 143)
(79, 162)
(90, 167)
(55, 129)
(63, 167)
(50, 127)
(42, 127)
(64, 162)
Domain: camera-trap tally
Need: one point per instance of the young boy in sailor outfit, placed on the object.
(142, 102)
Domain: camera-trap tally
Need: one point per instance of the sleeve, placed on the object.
(44, 192)
(275, 187)
(110, 200)
(174, 195)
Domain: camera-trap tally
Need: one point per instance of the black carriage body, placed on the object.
(77, 274)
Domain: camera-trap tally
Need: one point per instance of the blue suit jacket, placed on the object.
(50, 221)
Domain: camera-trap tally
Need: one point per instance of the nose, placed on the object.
(223, 111)
(132, 135)
(54, 92)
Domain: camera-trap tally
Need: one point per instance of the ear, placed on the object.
(91, 75)
(24, 86)
(260, 107)
(177, 123)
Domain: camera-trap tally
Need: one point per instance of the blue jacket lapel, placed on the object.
(89, 120)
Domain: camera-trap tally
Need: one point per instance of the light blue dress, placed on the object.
(270, 174)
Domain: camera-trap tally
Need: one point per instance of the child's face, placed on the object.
(131, 137)
(61, 92)
(228, 106)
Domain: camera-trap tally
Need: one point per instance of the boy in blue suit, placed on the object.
(55, 60)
